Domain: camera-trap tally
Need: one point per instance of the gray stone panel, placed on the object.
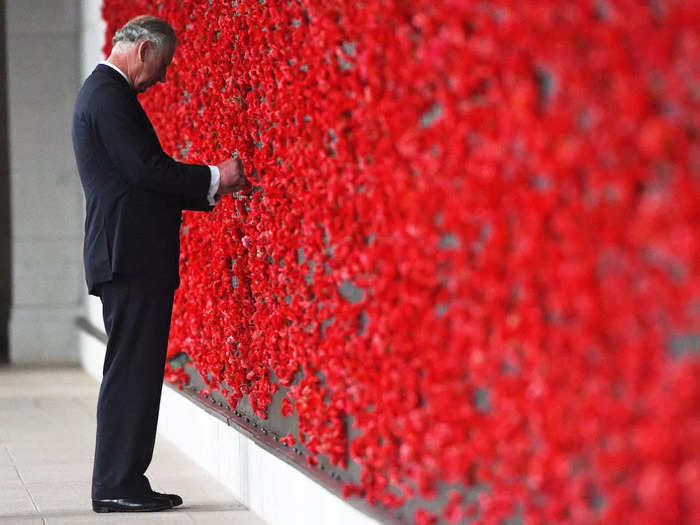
(42, 16)
(44, 67)
(47, 273)
(43, 83)
(46, 205)
(43, 335)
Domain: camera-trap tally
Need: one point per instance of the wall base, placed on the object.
(277, 492)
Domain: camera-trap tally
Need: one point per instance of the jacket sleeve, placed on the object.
(204, 204)
(133, 147)
(198, 204)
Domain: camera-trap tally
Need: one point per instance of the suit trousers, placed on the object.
(137, 316)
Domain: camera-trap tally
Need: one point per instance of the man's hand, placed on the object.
(232, 176)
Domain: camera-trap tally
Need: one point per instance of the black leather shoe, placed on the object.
(175, 500)
(147, 503)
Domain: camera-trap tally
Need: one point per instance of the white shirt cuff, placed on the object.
(214, 185)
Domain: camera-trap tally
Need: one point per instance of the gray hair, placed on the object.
(146, 27)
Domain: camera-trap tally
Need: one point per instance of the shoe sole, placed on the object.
(104, 507)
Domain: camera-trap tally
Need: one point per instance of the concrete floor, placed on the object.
(47, 440)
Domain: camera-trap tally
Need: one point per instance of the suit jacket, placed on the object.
(134, 192)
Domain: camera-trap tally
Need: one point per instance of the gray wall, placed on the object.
(44, 72)
(5, 278)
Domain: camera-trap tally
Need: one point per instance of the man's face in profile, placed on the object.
(155, 65)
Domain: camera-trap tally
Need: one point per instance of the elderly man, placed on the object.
(134, 196)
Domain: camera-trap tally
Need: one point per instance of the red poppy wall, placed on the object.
(473, 234)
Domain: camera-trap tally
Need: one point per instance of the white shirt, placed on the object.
(215, 174)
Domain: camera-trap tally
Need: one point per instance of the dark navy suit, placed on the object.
(134, 195)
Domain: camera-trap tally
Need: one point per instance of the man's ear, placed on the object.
(144, 50)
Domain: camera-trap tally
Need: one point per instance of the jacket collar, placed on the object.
(111, 72)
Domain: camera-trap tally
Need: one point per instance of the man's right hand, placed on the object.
(232, 176)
